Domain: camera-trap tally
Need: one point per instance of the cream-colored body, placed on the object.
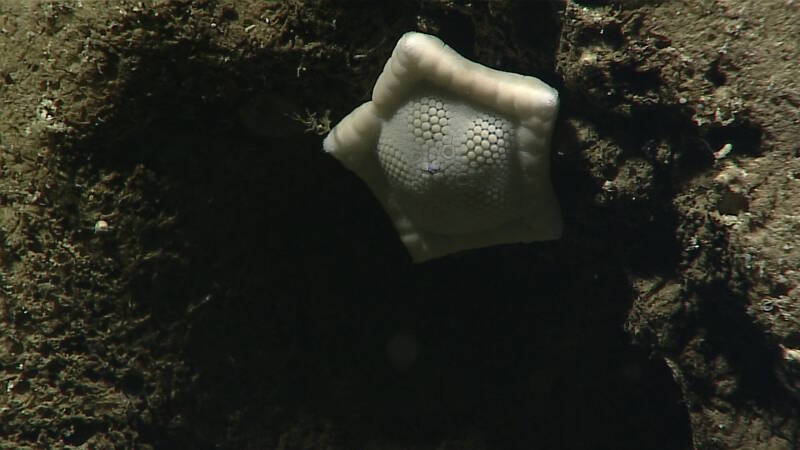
(475, 172)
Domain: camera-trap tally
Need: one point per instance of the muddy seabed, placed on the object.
(182, 267)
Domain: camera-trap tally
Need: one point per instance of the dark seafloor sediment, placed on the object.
(182, 267)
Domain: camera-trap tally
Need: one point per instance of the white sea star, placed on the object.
(457, 153)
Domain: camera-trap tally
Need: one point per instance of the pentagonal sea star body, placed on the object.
(457, 153)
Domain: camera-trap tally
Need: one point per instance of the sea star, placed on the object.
(457, 153)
